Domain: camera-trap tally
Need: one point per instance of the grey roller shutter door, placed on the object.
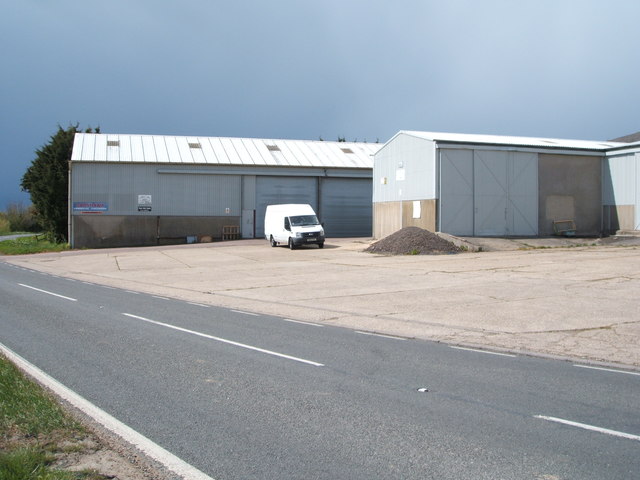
(277, 190)
(346, 206)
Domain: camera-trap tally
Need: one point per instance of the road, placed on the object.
(246, 396)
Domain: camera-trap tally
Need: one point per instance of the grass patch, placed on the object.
(27, 245)
(32, 424)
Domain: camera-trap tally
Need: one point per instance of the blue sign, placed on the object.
(90, 207)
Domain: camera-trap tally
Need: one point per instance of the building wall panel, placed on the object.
(405, 169)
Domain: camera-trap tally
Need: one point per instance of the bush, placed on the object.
(21, 218)
(5, 226)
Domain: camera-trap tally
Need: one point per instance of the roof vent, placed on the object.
(113, 143)
(273, 148)
(195, 145)
(346, 150)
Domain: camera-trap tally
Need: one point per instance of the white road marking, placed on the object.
(246, 313)
(142, 443)
(585, 426)
(484, 351)
(131, 291)
(108, 287)
(303, 323)
(379, 335)
(607, 369)
(224, 340)
(47, 292)
(199, 304)
(159, 297)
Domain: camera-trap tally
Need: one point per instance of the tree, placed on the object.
(47, 181)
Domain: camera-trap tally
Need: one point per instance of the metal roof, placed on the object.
(161, 149)
(463, 138)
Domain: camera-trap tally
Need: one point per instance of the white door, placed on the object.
(456, 192)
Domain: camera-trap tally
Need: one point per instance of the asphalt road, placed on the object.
(245, 396)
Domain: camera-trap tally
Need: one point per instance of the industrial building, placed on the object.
(133, 190)
(483, 185)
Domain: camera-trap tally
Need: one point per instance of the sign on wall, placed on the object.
(90, 207)
(144, 203)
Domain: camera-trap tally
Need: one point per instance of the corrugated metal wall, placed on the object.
(170, 193)
(621, 192)
(405, 169)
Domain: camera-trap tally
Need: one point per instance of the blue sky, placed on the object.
(362, 69)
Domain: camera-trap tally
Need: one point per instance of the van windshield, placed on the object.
(302, 220)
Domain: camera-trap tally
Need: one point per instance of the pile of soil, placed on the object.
(412, 241)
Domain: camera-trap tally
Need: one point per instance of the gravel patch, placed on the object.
(412, 241)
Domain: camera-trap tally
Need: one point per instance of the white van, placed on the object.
(292, 224)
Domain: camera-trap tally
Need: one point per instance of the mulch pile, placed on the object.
(412, 241)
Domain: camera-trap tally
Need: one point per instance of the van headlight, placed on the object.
(298, 234)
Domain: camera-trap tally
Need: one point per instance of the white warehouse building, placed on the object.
(134, 190)
(486, 185)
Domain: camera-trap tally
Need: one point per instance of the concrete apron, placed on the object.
(579, 302)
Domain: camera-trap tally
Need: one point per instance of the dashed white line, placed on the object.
(160, 298)
(199, 304)
(153, 450)
(131, 291)
(607, 369)
(379, 335)
(484, 351)
(303, 323)
(224, 340)
(47, 292)
(246, 313)
(592, 428)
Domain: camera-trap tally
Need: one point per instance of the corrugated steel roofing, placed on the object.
(92, 147)
(513, 141)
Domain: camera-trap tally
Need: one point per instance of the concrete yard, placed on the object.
(574, 298)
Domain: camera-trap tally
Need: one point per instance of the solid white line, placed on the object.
(142, 443)
(48, 293)
(223, 340)
(246, 313)
(607, 370)
(303, 323)
(584, 426)
(379, 335)
(483, 351)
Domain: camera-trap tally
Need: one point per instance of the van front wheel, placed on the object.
(291, 245)
(273, 242)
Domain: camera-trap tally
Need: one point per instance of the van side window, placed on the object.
(287, 225)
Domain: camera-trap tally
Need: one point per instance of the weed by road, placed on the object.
(27, 245)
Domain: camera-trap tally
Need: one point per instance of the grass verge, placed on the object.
(34, 430)
(26, 245)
